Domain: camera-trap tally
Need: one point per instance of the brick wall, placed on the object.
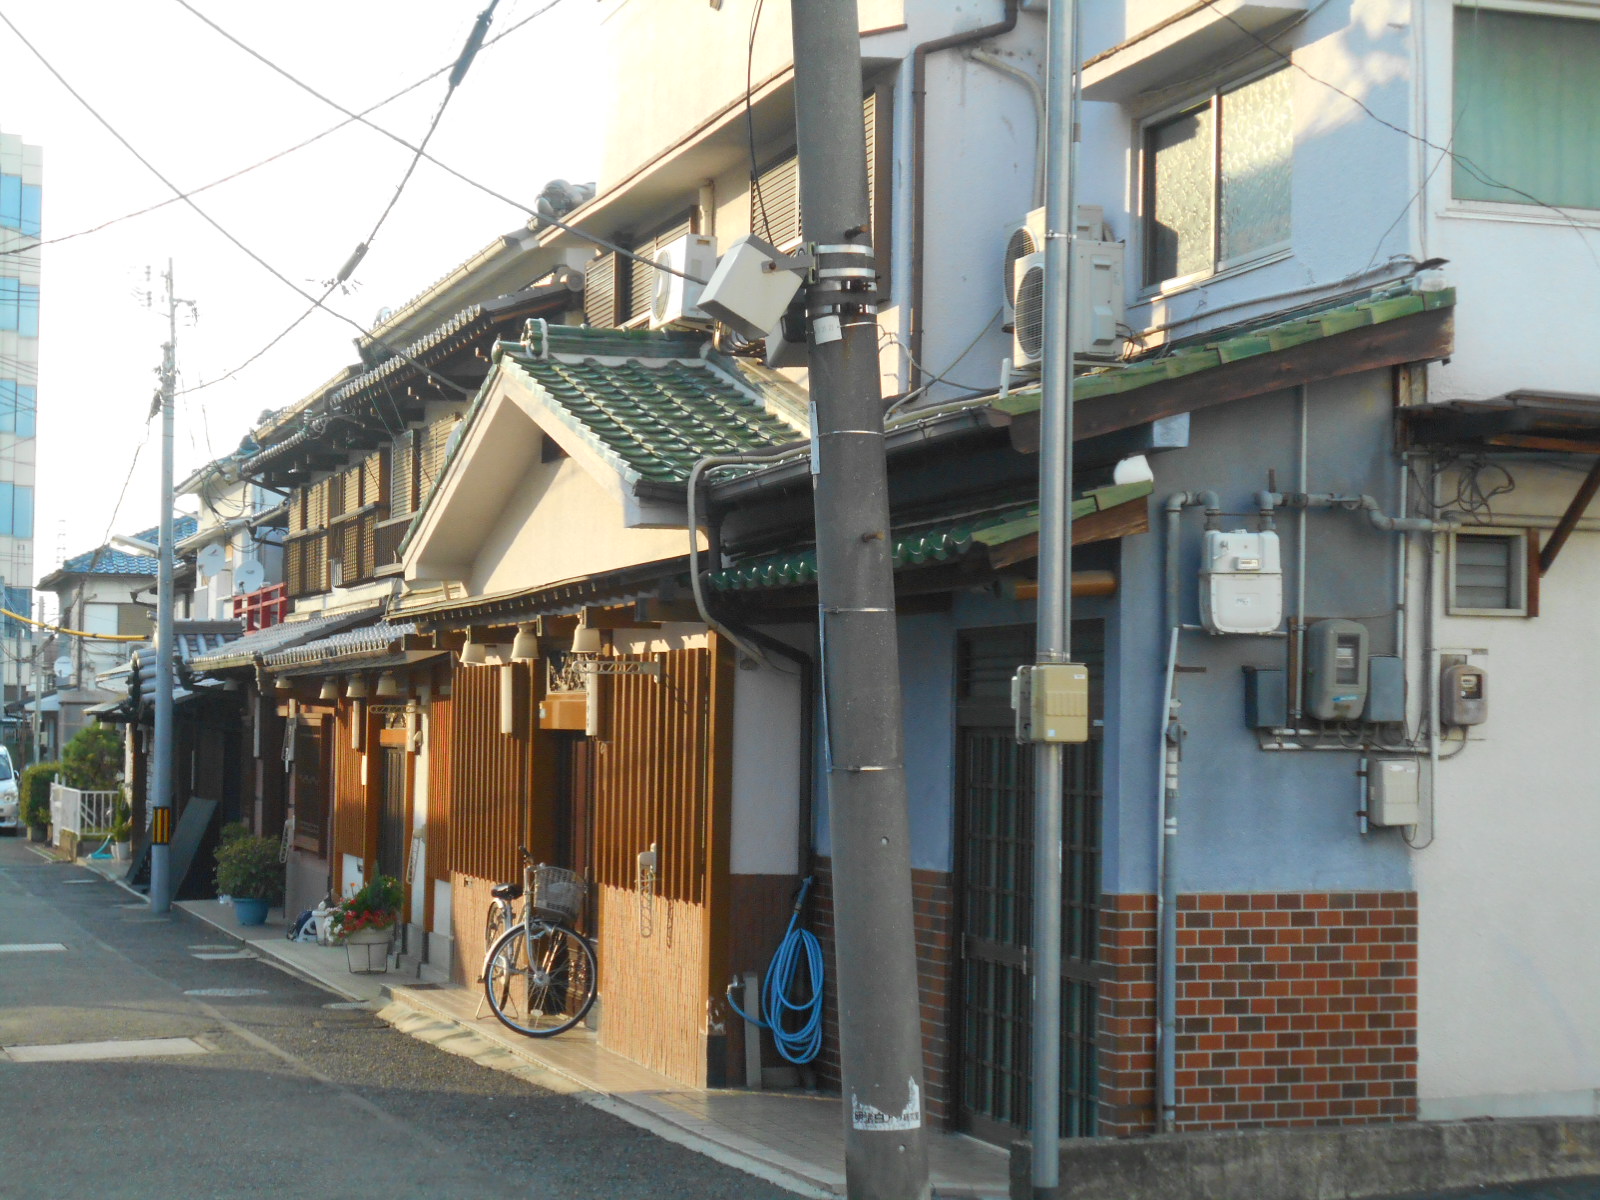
(1294, 1008)
(933, 901)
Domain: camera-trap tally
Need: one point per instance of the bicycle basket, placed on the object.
(557, 890)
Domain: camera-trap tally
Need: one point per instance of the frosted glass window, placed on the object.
(1216, 181)
(1527, 108)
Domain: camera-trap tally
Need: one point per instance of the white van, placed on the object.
(8, 792)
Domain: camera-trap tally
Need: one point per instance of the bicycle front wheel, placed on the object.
(540, 981)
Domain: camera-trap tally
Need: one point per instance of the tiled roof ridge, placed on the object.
(106, 560)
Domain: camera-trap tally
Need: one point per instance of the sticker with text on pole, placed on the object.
(867, 1117)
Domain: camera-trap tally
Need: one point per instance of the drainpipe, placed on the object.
(919, 137)
(755, 644)
(710, 462)
(1169, 751)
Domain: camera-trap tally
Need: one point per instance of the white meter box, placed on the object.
(1394, 792)
(1241, 582)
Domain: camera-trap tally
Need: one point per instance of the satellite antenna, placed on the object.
(248, 576)
(64, 667)
(210, 559)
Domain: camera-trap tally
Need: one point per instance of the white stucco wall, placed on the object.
(559, 523)
(1509, 956)
(766, 772)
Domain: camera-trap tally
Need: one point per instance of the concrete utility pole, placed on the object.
(161, 755)
(880, 1025)
(1054, 629)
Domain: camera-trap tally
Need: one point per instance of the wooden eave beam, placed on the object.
(1569, 519)
(1424, 337)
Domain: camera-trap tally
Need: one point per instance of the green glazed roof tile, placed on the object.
(937, 543)
(650, 401)
(1262, 338)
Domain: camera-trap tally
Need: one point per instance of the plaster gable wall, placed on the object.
(556, 523)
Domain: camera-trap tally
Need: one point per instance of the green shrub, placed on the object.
(92, 760)
(34, 791)
(248, 866)
(121, 818)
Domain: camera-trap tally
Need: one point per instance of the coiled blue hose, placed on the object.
(803, 1044)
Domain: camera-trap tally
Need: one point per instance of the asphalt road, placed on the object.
(291, 1097)
(1571, 1189)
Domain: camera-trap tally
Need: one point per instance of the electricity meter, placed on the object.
(1463, 695)
(1241, 582)
(1336, 670)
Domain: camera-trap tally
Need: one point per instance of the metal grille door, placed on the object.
(995, 789)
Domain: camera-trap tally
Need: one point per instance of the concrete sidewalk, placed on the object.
(792, 1138)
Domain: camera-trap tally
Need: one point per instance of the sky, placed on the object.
(199, 108)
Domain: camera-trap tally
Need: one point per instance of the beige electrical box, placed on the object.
(1394, 792)
(1051, 701)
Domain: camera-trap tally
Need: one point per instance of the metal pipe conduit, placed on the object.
(1266, 502)
(1168, 751)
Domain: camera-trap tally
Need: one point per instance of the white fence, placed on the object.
(83, 813)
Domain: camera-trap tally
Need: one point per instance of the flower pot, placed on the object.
(250, 910)
(39, 833)
(119, 851)
(367, 950)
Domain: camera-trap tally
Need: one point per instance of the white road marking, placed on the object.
(94, 1051)
(28, 947)
(229, 992)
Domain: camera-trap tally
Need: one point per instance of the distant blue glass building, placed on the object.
(21, 204)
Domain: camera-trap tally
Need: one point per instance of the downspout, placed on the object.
(744, 637)
(1169, 750)
(919, 137)
(695, 585)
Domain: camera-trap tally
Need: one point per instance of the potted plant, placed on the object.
(121, 827)
(249, 873)
(35, 790)
(366, 919)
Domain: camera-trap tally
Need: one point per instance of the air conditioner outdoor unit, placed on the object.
(676, 298)
(1097, 300)
(1023, 238)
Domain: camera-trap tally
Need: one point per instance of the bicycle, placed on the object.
(539, 974)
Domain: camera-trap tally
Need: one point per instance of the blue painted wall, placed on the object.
(1252, 820)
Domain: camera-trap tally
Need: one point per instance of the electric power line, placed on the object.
(1455, 156)
(351, 119)
(213, 222)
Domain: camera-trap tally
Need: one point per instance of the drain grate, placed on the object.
(97, 1051)
(229, 956)
(228, 993)
(29, 947)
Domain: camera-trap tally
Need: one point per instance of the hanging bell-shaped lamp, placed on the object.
(356, 689)
(526, 646)
(388, 686)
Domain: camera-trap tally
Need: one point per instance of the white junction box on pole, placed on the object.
(1241, 582)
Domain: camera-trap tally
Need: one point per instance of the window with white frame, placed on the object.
(1526, 109)
(1215, 180)
(1488, 573)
